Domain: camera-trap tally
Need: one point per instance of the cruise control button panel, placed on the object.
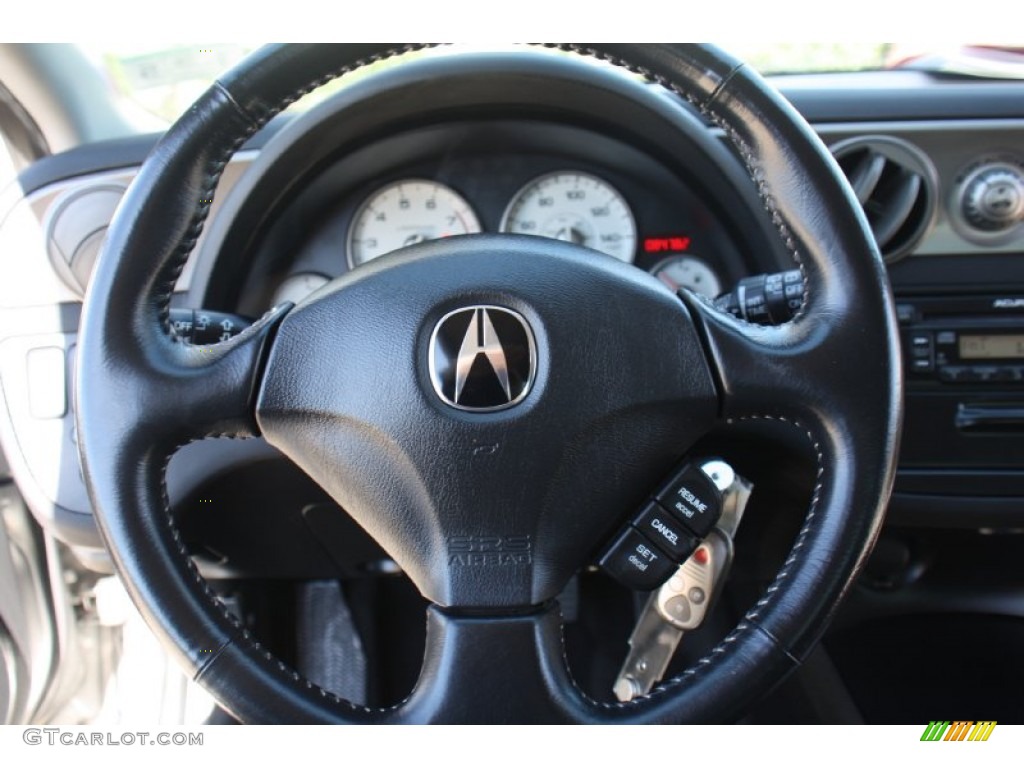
(667, 529)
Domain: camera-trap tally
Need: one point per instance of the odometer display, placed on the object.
(404, 213)
(575, 207)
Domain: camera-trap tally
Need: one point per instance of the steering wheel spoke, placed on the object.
(211, 390)
(786, 370)
(517, 659)
(520, 661)
(176, 393)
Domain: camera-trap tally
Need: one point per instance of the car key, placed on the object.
(683, 601)
(678, 607)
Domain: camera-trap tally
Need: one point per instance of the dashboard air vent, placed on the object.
(75, 227)
(896, 185)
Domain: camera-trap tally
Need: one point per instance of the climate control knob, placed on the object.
(994, 198)
(990, 199)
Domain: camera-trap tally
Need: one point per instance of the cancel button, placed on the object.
(665, 531)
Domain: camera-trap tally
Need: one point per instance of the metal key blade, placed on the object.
(651, 647)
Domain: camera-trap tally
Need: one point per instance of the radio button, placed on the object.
(919, 340)
(1004, 373)
(969, 374)
(922, 365)
(983, 373)
(946, 337)
(951, 373)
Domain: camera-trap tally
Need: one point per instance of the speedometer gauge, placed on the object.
(404, 213)
(576, 207)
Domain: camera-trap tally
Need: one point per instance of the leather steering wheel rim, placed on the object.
(833, 373)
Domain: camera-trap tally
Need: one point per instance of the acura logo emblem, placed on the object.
(482, 358)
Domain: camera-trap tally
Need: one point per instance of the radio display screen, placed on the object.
(1005, 346)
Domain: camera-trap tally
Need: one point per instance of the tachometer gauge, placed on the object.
(688, 272)
(405, 213)
(295, 288)
(576, 207)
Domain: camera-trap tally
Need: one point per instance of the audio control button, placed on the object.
(969, 374)
(1003, 373)
(951, 373)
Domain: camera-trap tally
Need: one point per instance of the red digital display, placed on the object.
(670, 244)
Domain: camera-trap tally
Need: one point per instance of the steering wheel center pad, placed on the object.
(622, 390)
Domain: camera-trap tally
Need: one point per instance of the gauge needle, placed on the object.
(570, 235)
(413, 239)
(668, 281)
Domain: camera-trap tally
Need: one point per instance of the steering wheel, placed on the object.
(611, 380)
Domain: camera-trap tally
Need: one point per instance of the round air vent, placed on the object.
(75, 227)
(896, 184)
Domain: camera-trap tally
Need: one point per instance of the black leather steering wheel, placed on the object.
(628, 377)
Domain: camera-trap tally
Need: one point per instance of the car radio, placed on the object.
(963, 340)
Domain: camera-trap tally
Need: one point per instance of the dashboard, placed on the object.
(515, 144)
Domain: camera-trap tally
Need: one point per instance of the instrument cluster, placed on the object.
(611, 200)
